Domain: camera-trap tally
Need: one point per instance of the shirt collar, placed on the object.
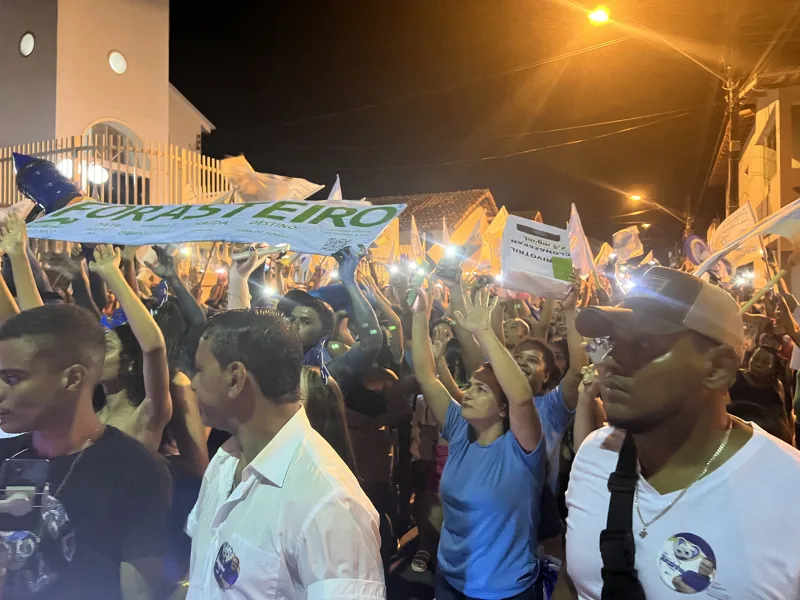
(273, 461)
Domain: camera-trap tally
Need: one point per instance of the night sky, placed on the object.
(385, 91)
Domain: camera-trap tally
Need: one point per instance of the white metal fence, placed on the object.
(112, 169)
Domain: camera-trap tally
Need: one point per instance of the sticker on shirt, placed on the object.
(687, 563)
(226, 567)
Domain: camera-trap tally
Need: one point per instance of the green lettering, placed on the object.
(306, 213)
(138, 213)
(209, 210)
(283, 205)
(173, 213)
(95, 214)
(389, 213)
(59, 218)
(336, 214)
(236, 211)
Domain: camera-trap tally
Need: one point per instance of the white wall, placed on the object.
(27, 84)
(89, 91)
(184, 122)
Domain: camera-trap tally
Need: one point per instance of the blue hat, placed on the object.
(41, 181)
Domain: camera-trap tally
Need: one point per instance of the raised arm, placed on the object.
(8, 307)
(539, 331)
(15, 246)
(384, 307)
(128, 267)
(165, 269)
(360, 357)
(577, 356)
(187, 426)
(436, 396)
(445, 376)
(238, 276)
(470, 352)
(148, 334)
(524, 419)
(73, 267)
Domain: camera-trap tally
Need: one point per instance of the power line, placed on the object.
(454, 86)
(485, 139)
(509, 155)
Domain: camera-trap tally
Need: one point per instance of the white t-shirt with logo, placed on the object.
(734, 534)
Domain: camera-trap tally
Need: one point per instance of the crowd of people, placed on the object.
(274, 435)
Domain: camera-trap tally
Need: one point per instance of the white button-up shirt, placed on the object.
(298, 526)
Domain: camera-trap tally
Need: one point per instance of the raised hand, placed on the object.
(571, 301)
(479, 313)
(166, 263)
(129, 253)
(348, 260)
(420, 305)
(245, 267)
(70, 266)
(14, 235)
(106, 260)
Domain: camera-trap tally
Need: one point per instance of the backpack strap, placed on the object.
(617, 546)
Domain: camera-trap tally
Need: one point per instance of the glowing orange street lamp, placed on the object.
(599, 16)
(645, 225)
(635, 197)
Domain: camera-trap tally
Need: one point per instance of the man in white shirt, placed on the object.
(279, 514)
(713, 502)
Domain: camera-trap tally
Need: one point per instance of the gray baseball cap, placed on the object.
(667, 301)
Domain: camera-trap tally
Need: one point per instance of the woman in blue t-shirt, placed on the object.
(492, 482)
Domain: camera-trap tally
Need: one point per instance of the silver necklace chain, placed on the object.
(715, 456)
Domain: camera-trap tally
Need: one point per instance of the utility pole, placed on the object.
(734, 147)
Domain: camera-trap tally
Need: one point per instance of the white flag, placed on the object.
(627, 244)
(582, 258)
(602, 258)
(336, 190)
(785, 223)
(264, 187)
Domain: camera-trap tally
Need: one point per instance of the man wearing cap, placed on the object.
(709, 497)
(312, 318)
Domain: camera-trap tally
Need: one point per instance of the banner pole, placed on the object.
(760, 293)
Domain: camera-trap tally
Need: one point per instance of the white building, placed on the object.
(86, 82)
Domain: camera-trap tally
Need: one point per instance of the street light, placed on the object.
(635, 197)
(645, 225)
(685, 219)
(599, 16)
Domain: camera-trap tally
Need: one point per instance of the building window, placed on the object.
(26, 44)
(117, 62)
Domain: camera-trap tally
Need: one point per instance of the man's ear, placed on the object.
(73, 378)
(236, 376)
(724, 363)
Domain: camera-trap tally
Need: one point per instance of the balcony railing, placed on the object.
(112, 169)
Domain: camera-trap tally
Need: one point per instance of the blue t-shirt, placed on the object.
(555, 416)
(490, 500)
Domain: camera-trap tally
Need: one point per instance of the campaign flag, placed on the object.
(490, 251)
(308, 227)
(784, 222)
(602, 258)
(264, 187)
(417, 251)
(648, 259)
(627, 244)
(538, 218)
(436, 251)
(336, 190)
(739, 222)
(579, 248)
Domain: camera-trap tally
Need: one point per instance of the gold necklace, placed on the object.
(646, 524)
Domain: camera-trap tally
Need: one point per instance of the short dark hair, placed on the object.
(294, 298)
(547, 354)
(264, 343)
(63, 334)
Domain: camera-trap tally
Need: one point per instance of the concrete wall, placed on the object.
(89, 91)
(27, 84)
(184, 122)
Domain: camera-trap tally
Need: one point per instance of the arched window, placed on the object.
(117, 143)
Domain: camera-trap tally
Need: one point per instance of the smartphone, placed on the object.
(23, 473)
(416, 282)
(449, 267)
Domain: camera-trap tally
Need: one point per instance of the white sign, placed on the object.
(308, 227)
(738, 223)
(535, 258)
(627, 244)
